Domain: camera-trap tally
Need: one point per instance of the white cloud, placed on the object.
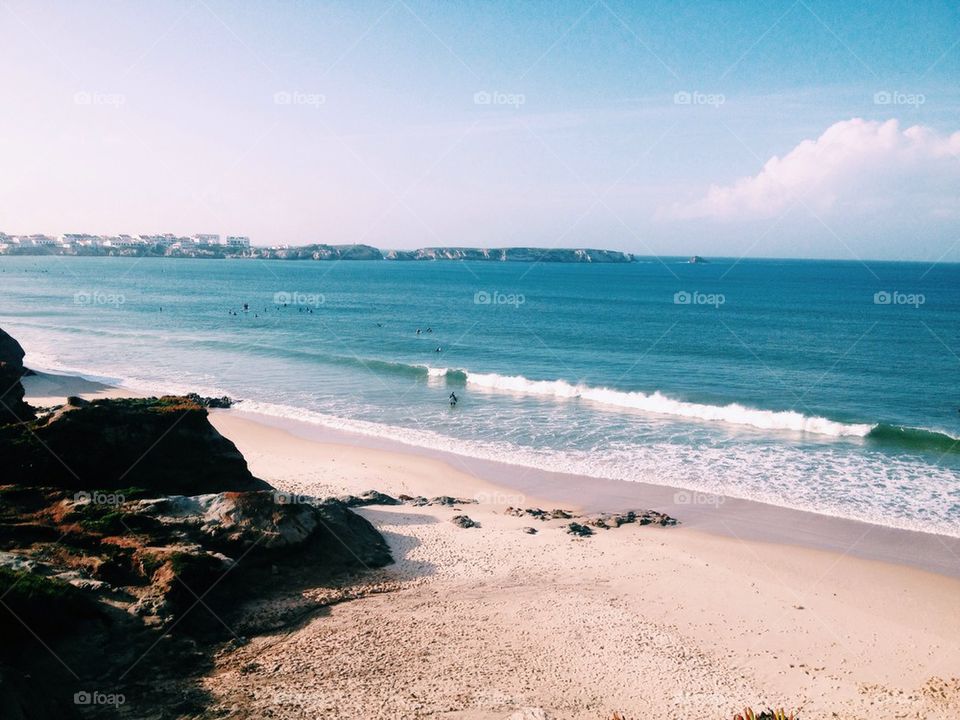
(856, 166)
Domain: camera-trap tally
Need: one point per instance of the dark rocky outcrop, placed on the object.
(464, 521)
(12, 406)
(164, 444)
(132, 528)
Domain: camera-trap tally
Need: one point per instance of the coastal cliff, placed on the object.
(132, 528)
(513, 254)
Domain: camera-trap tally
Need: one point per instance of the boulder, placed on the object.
(370, 497)
(464, 521)
(575, 528)
(13, 408)
(162, 444)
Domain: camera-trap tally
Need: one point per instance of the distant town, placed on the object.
(213, 246)
(201, 245)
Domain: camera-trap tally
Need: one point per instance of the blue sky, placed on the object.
(646, 127)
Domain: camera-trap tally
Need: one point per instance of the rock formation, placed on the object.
(131, 527)
(12, 406)
(164, 444)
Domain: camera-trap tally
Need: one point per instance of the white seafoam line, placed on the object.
(656, 402)
(758, 478)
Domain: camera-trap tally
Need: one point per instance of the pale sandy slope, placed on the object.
(650, 621)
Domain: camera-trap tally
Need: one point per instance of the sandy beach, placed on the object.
(493, 622)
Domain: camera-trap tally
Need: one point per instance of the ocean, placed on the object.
(818, 385)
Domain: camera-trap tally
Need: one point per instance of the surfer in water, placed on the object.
(453, 399)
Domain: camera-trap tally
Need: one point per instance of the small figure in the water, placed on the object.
(429, 330)
(439, 349)
(246, 307)
(453, 399)
(418, 331)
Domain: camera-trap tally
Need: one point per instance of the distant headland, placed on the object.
(239, 247)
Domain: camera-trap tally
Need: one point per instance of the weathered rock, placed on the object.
(211, 402)
(121, 517)
(12, 406)
(370, 497)
(530, 530)
(532, 512)
(163, 444)
(464, 521)
(443, 500)
(448, 501)
(558, 514)
(644, 517)
(575, 528)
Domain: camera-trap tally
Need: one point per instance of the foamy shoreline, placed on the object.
(682, 622)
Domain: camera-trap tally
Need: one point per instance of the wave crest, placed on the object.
(655, 402)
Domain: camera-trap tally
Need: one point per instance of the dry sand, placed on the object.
(487, 621)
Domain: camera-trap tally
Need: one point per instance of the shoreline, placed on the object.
(484, 623)
(718, 515)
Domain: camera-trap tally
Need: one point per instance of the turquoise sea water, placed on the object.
(820, 385)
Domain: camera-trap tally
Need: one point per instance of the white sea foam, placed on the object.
(656, 402)
(828, 481)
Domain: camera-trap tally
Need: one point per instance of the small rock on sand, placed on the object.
(575, 528)
(464, 521)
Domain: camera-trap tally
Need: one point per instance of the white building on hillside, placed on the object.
(238, 241)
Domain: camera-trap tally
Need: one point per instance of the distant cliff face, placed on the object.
(320, 252)
(513, 254)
